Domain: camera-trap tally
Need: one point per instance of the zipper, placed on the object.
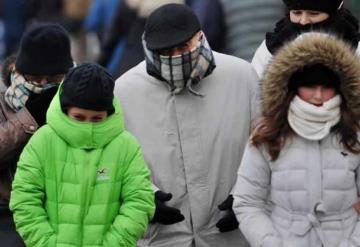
(84, 192)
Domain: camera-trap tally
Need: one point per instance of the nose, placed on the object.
(304, 19)
(176, 51)
(43, 81)
(318, 93)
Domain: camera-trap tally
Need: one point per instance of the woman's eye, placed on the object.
(314, 13)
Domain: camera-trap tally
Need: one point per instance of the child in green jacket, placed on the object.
(82, 180)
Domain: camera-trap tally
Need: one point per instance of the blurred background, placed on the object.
(109, 31)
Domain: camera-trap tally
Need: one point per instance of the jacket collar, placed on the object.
(84, 135)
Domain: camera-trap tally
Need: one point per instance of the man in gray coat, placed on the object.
(191, 109)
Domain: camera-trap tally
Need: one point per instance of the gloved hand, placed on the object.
(37, 104)
(228, 222)
(164, 214)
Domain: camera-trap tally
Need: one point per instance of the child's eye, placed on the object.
(97, 119)
(79, 118)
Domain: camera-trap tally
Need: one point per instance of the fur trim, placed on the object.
(7, 68)
(145, 7)
(307, 49)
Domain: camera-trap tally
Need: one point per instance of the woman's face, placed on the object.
(305, 17)
(317, 94)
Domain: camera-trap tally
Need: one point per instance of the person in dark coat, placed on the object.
(304, 16)
(30, 80)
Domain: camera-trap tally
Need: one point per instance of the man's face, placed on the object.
(181, 49)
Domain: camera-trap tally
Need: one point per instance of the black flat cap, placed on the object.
(170, 26)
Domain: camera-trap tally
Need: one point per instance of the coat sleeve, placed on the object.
(250, 196)
(15, 131)
(255, 99)
(137, 207)
(253, 87)
(261, 59)
(27, 199)
(354, 239)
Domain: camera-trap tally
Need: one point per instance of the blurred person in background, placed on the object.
(74, 14)
(127, 29)
(30, 80)
(246, 23)
(354, 6)
(15, 15)
(212, 20)
(304, 16)
(45, 10)
(100, 16)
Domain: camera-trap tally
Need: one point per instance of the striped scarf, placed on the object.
(181, 71)
(20, 89)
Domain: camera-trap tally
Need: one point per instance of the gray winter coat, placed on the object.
(193, 145)
(313, 185)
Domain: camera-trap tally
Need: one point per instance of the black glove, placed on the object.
(37, 104)
(164, 214)
(228, 222)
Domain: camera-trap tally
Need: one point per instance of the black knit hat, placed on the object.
(327, 6)
(88, 86)
(44, 50)
(169, 26)
(316, 74)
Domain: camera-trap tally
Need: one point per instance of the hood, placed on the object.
(84, 135)
(145, 7)
(312, 48)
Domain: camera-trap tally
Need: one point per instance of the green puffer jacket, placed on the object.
(82, 184)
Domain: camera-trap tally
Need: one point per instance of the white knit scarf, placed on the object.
(312, 122)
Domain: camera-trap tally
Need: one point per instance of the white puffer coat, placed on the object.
(313, 185)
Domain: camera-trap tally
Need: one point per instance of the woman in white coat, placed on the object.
(304, 16)
(303, 155)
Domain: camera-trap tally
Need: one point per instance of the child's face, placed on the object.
(84, 115)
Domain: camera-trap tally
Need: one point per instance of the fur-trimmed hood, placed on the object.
(145, 7)
(308, 49)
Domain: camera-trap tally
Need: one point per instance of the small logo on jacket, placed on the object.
(344, 154)
(102, 174)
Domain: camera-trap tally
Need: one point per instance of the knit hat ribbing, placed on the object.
(44, 50)
(88, 86)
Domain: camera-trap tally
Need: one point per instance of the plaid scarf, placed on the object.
(20, 89)
(181, 71)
